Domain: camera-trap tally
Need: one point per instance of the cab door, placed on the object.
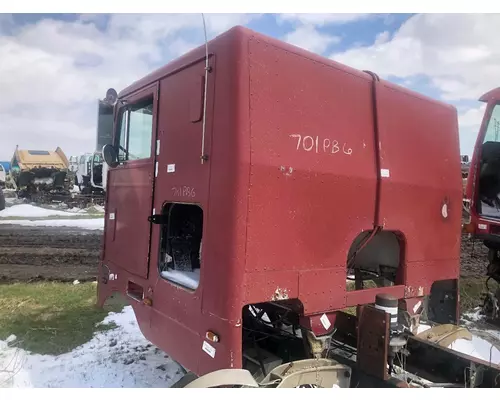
(130, 184)
(181, 210)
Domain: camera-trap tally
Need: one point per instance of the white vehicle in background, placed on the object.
(3, 176)
(73, 163)
(91, 173)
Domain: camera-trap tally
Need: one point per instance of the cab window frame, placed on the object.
(126, 111)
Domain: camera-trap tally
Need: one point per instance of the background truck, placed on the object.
(3, 175)
(249, 181)
(91, 173)
(40, 175)
(90, 170)
(482, 201)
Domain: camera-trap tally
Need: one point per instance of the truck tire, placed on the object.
(185, 380)
(2, 200)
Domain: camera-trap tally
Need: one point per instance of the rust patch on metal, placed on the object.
(411, 291)
(280, 294)
(287, 171)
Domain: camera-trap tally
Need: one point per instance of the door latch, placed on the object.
(158, 219)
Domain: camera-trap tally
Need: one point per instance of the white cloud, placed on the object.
(382, 38)
(459, 52)
(472, 117)
(323, 19)
(306, 34)
(53, 71)
(309, 38)
(470, 122)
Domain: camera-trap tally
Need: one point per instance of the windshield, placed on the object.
(493, 128)
(97, 159)
(489, 178)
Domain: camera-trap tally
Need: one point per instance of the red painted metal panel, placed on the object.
(418, 149)
(272, 285)
(290, 182)
(322, 290)
(130, 199)
(225, 231)
(425, 273)
(180, 324)
(182, 178)
(315, 324)
(312, 180)
(126, 245)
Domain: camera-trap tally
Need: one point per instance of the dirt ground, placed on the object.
(42, 253)
(473, 259)
(66, 254)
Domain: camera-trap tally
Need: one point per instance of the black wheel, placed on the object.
(185, 380)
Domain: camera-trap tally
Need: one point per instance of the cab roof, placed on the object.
(241, 33)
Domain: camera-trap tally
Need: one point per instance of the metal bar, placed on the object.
(367, 296)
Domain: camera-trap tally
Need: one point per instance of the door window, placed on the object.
(181, 244)
(493, 129)
(136, 131)
(489, 175)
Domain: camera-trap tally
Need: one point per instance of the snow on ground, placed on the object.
(189, 279)
(30, 211)
(98, 208)
(121, 357)
(89, 223)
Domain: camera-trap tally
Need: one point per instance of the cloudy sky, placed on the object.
(54, 66)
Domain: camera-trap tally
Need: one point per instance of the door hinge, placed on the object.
(156, 169)
(158, 147)
(158, 219)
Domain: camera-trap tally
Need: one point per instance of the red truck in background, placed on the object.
(249, 181)
(482, 202)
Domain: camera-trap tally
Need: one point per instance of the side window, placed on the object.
(136, 131)
(493, 129)
(181, 244)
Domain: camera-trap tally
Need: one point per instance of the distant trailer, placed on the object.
(5, 165)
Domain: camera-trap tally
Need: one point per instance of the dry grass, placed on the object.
(51, 318)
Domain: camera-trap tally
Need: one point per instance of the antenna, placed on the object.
(207, 68)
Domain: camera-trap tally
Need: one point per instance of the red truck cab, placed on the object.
(263, 182)
(483, 183)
